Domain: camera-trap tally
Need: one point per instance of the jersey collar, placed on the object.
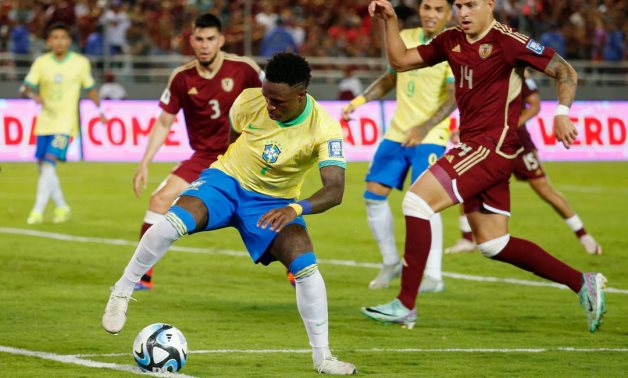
(217, 62)
(306, 113)
(480, 36)
(65, 59)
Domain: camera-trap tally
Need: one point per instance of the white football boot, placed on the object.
(115, 313)
(331, 365)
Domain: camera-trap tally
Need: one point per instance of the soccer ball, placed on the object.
(160, 348)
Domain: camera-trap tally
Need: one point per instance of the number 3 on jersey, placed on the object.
(466, 74)
(215, 106)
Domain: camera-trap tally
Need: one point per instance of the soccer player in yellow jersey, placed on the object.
(280, 132)
(55, 80)
(417, 137)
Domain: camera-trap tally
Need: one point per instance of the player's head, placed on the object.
(207, 39)
(58, 38)
(435, 14)
(285, 86)
(474, 16)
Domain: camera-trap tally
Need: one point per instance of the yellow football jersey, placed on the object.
(60, 85)
(419, 95)
(271, 157)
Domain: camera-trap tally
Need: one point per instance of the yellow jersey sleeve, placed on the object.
(33, 77)
(330, 149)
(235, 114)
(87, 80)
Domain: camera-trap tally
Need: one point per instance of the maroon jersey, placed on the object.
(529, 87)
(489, 76)
(206, 99)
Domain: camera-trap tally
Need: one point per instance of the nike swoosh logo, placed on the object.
(320, 324)
(254, 127)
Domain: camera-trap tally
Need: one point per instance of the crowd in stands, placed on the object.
(578, 29)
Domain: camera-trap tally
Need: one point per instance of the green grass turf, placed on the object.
(53, 292)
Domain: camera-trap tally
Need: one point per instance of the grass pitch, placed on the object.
(241, 319)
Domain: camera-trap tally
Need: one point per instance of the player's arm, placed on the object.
(415, 135)
(93, 95)
(156, 139)
(28, 92)
(566, 83)
(400, 58)
(532, 108)
(330, 195)
(375, 91)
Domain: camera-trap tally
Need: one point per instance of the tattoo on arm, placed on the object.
(566, 79)
(380, 87)
(443, 111)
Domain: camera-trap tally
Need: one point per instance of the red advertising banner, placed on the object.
(602, 128)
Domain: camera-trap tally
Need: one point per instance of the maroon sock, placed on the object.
(149, 275)
(418, 242)
(468, 236)
(529, 256)
(580, 233)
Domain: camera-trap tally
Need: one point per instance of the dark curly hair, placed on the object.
(288, 68)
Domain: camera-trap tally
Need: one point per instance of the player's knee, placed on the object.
(371, 197)
(161, 200)
(493, 247)
(181, 219)
(303, 266)
(415, 206)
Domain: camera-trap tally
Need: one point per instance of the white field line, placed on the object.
(230, 252)
(76, 360)
(387, 350)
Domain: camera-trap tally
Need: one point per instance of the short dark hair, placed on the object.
(288, 68)
(208, 20)
(57, 26)
(450, 2)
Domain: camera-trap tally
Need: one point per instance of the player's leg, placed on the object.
(192, 212)
(293, 248)
(489, 220)
(425, 156)
(160, 201)
(465, 243)
(388, 170)
(51, 149)
(426, 196)
(544, 189)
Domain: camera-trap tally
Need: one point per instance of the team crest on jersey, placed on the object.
(58, 78)
(193, 91)
(535, 46)
(485, 50)
(335, 148)
(271, 153)
(449, 158)
(227, 84)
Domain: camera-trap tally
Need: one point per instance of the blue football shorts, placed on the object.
(392, 161)
(51, 147)
(230, 205)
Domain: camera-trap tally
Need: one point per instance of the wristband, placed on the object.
(306, 206)
(360, 100)
(297, 208)
(562, 110)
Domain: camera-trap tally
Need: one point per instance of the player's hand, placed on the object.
(277, 219)
(37, 98)
(139, 180)
(564, 130)
(455, 137)
(347, 110)
(382, 9)
(414, 136)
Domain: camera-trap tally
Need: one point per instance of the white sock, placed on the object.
(574, 223)
(380, 220)
(433, 267)
(44, 186)
(463, 222)
(56, 192)
(312, 304)
(152, 217)
(153, 246)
